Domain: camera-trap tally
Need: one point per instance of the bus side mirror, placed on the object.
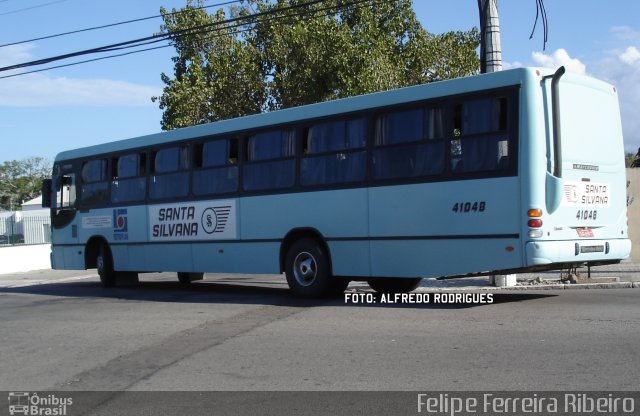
(46, 193)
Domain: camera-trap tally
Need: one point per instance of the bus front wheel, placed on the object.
(104, 264)
(391, 285)
(307, 270)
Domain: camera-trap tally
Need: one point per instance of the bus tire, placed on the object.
(104, 264)
(307, 270)
(186, 278)
(394, 285)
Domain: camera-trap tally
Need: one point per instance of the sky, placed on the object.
(44, 113)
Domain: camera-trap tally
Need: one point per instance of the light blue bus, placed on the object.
(507, 172)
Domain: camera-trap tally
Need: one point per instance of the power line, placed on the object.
(111, 24)
(165, 36)
(32, 7)
(202, 29)
(84, 62)
(106, 57)
(541, 11)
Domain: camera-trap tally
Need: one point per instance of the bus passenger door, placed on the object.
(64, 219)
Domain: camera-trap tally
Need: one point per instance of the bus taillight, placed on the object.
(535, 222)
(535, 213)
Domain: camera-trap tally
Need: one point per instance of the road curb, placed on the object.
(550, 286)
(577, 286)
(14, 284)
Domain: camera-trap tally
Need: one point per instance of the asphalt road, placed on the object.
(247, 333)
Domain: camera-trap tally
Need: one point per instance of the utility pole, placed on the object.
(490, 49)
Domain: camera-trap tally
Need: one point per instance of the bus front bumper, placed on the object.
(576, 251)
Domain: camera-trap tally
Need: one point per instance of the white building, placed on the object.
(32, 225)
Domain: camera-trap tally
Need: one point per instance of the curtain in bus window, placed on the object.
(489, 152)
(326, 137)
(215, 181)
(269, 175)
(484, 115)
(434, 123)
(270, 145)
(95, 188)
(128, 166)
(336, 135)
(215, 153)
(128, 189)
(95, 193)
(94, 170)
(424, 159)
(167, 160)
(400, 127)
(333, 169)
(169, 185)
(356, 134)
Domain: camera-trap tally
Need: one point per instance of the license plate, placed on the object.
(592, 249)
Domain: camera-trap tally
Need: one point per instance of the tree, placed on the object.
(21, 180)
(628, 159)
(296, 52)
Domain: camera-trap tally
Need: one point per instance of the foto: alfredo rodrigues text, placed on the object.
(419, 298)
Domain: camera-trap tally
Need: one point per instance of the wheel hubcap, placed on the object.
(305, 269)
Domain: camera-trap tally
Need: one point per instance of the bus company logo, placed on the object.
(571, 193)
(120, 224)
(214, 219)
(24, 403)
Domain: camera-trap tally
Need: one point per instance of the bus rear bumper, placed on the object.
(576, 251)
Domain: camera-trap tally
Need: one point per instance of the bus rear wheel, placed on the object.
(308, 273)
(104, 264)
(391, 285)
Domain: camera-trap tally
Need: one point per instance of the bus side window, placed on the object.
(409, 143)
(128, 183)
(170, 173)
(95, 185)
(270, 163)
(480, 138)
(215, 167)
(333, 152)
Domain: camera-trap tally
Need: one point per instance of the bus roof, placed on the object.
(313, 111)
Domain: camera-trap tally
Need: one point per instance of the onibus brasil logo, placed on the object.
(24, 403)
